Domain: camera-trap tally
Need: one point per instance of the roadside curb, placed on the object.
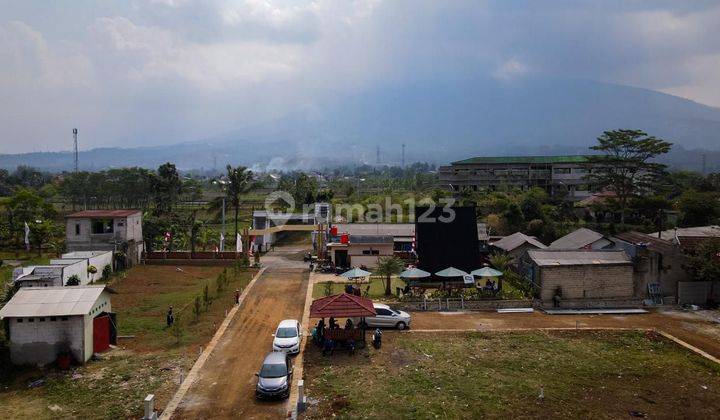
(299, 360)
(200, 362)
(689, 347)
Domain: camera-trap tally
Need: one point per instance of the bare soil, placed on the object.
(226, 387)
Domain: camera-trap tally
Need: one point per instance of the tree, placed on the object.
(704, 264)
(239, 182)
(167, 187)
(626, 167)
(389, 266)
(699, 208)
(26, 206)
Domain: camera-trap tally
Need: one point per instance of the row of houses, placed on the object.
(588, 268)
(84, 266)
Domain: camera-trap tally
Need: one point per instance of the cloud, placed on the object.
(156, 71)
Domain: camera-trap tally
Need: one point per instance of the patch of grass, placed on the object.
(377, 287)
(477, 375)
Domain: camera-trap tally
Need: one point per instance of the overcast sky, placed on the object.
(134, 72)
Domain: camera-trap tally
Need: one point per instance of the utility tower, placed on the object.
(75, 132)
(377, 155)
(403, 155)
(704, 164)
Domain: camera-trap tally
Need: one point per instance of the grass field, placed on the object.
(499, 375)
(151, 362)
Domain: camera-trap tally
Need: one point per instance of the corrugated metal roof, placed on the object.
(517, 239)
(523, 159)
(394, 229)
(652, 243)
(576, 239)
(103, 213)
(548, 257)
(342, 305)
(52, 301)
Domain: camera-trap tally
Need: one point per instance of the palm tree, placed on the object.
(389, 266)
(501, 262)
(239, 182)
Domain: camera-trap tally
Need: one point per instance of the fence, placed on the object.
(461, 304)
(191, 258)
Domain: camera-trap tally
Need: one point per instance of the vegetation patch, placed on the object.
(478, 375)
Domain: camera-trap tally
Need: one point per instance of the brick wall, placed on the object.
(587, 281)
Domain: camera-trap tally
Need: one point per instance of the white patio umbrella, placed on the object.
(486, 272)
(414, 273)
(355, 273)
(451, 272)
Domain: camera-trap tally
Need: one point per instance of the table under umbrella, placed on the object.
(355, 273)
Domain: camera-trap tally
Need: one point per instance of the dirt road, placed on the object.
(697, 329)
(226, 386)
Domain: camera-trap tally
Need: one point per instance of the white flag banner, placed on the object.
(27, 237)
(222, 242)
(238, 243)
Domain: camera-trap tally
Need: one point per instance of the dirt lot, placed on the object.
(608, 374)
(226, 386)
(697, 329)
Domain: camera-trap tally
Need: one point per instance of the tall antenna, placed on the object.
(403, 155)
(704, 164)
(75, 131)
(377, 155)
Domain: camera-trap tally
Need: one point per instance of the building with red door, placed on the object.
(49, 322)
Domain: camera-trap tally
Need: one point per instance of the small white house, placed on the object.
(45, 322)
(56, 274)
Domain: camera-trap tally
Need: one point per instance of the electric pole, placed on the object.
(403, 155)
(75, 133)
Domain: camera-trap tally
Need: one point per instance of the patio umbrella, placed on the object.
(451, 272)
(487, 272)
(414, 273)
(355, 273)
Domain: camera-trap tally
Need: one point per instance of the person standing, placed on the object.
(237, 296)
(170, 318)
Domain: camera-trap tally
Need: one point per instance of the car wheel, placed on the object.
(400, 325)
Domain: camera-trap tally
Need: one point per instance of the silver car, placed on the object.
(274, 377)
(387, 317)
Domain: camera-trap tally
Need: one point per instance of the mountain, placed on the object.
(438, 122)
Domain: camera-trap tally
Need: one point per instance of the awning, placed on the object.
(343, 305)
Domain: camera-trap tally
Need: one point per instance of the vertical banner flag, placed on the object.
(27, 237)
(222, 242)
(238, 243)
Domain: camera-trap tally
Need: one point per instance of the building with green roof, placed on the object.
(564, 176)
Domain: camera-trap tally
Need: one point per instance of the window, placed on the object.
(53, 318)
(63, 318)
(580, 171)
(31, 319)
(371, 252)
(102, 226)
(77, 229)
(19, 320)
(561, 171)
(42, 319)
(383, 312)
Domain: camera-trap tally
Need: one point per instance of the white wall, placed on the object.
(98, 259)
(79, 268)
(39, 342)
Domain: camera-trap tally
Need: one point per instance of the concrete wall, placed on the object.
(97, 259)
(125, 229)
(40, 341)
(357, 258)
(586, 281)
(698, 292)
(79, 268)
(133, 228)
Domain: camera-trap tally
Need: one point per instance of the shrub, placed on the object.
(91, 269)
(107, 271)
(74, 280)
(197, 308)
(327, 288)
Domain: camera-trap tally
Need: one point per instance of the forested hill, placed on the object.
(438, 122)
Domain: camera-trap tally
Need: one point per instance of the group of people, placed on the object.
(327, 342)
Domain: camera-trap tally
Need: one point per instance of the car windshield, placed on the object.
(395, 311)
(286, 333)
(273, 371)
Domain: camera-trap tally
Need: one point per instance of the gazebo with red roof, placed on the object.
(343, 305)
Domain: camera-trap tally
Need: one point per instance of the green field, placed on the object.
(499, 375)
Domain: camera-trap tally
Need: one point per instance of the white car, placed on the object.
(287, 337)
(388, 317)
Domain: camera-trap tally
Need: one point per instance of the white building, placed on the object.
(97, 259)
(45, 322)
(106, 230)
(54, 275)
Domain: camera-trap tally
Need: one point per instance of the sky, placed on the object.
(153, 72)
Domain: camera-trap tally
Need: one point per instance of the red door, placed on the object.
(101, 333)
